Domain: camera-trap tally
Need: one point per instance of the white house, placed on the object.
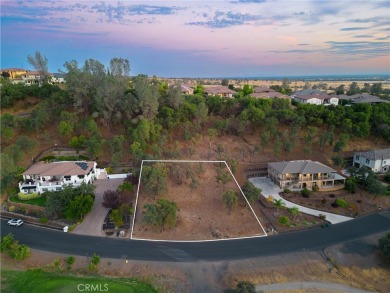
(42, 177)
(317, 99)
(31, 77)
(304, 174)
(377, 160)
(219, 90)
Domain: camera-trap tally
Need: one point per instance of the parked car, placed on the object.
(15, 222)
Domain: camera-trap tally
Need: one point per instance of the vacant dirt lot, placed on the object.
(202, 214)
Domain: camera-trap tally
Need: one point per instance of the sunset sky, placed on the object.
(203, 38)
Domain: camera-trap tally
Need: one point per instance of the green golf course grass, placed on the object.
(37, 281)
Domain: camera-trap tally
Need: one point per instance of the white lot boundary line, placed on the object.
(136, 200)
(265, 233)
(208, 240)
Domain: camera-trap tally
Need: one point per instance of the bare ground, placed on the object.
(202, 214)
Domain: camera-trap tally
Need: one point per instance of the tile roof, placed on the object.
(13, 69)
(269, 95)
(302, 167)
(262, 89)
(375, 154)
(59, 168)
(308, 92)
(218, 89)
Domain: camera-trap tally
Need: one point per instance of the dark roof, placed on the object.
(315, 96)
(308, 92)
(375, 154)
(302, 167)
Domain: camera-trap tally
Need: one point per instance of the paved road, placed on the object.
(308, 240)
(333, 287)
(270, 188)
(93, 222)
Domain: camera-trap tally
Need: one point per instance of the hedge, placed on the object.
(23, 196)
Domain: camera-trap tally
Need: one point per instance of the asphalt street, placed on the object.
(111, 247)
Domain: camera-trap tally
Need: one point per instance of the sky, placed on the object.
(238, 38)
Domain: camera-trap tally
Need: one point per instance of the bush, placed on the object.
(245, 287)
(387, 178)
(323, 200)
(23, 196)
(322, 216)
(315, 188)
(341, 203)
(11, 208)
(109, 170)
(12, 247)
(70, 260)
(384, 245)
(95, 259)
(284, 220)
(286, 190)
(43, 220)
(47, 158)
(305, 193)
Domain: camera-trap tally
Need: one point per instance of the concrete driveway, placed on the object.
(93, 222)
(270, 188)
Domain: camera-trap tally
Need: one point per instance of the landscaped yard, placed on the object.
(348, 204)
(39, 201)
(37, 281)
(201, 214)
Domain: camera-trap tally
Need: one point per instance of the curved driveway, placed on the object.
(269, 188)
(308, 240)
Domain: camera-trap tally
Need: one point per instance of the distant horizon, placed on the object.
(203, 38)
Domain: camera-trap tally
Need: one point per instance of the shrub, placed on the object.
(341, 203)
(286, 190)
(12, 247)
(332, 195)
(43, 220)
(322, 216)
(109, 170)
(323, 200)
(95, 259)
(245, 287)
(284, 220)
(305, 193)
(387, 177)
(47, 158)
(384, 245)
(70, 260)
(315, 188)
(23, 196)
(11, 208)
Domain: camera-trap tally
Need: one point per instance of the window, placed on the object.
(80, 176)
(357, 158)
(367, 161)
(67, 178)
(384, 162)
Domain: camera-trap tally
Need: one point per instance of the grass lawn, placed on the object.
(37, 281)
(40, 201)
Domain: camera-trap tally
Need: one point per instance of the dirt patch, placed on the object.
(202, 214)
(359, 203)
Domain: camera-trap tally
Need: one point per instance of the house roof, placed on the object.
(32, 73)
(269, 95)
(314, 96)
(262, 89)
(13, 69)
(302, 167)
(218, 89)
(60, 168)
(375, 154)
(308, 92)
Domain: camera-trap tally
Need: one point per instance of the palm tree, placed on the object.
(279, 203)
(294, 211)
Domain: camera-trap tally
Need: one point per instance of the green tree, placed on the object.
(225, 82)
(65, 128)
(116, 148)
(77, 142)
(294, 211)
(39, 62)
(384, 245)
(154, 179)
(230, 199)
(351, 184)
(79, 207)
(94, 146)
(353, 89)
(160, 215)
(251, 192)
(198, 90)
(340, 89)
(279, 203)
(117, 217)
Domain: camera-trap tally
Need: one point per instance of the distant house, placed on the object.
(42, 177)
(13, 73)
(267, 93)
(363, 98)
(304, 174)
(57, 78)
(377, 161)
(32, 77)
(187, 89)
(219, 90)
